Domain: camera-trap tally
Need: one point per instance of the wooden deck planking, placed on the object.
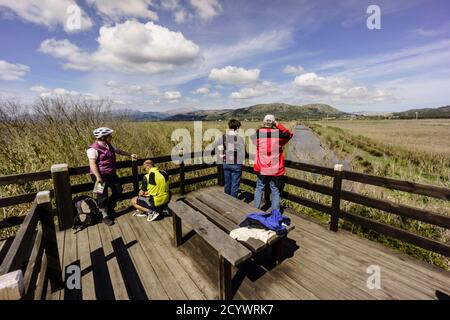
(171, 263)
(145, 271)
(120, 291)
(323, 265)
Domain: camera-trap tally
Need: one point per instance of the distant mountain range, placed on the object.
(282, 111)
(442, 112)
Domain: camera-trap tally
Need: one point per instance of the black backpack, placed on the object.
(86, 212)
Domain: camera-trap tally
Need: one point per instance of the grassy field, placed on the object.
(409, 150)
(59, 131)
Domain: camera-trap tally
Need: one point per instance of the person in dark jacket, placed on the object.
(269, 159)
(102, 163)
(231, 150)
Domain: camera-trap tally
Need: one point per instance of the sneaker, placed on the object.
(139, 213)
(108, 221)
(152, 216)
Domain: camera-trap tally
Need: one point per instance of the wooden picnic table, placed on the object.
(213, 215)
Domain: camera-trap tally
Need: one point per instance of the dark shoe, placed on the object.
(108, 221)
(166, 212)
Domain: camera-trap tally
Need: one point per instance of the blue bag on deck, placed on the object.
(273, 221)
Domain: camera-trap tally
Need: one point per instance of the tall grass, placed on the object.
(378, 148)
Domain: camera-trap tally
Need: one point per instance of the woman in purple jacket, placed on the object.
(102, 163)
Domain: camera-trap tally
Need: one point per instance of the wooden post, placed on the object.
(336, 203)
(63, 195)
(225, 289)
(49, 240)
(182, 178)
(135, 173)
(177, 230)
(12, 285)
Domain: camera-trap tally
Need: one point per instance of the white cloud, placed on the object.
(293, 70)
(154, 49)
(172, 95)
(202, 90)
(132, 89)
(258, 90)
(49, 13)
(234, 75)
(11, 71)
(215, 94)
(416, 60)
(118, 9)
(338, 89)
(44, 92)
(179, 12)
(206, 9)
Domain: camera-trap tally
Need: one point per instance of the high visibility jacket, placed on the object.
(157, 186)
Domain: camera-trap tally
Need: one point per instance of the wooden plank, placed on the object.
(225, 290)
(42, 280)
(84, 256)
(15, 257)
(322, 189)
(400, 209)
(351, 265)
(170, 257)
(199, 179)
(398, 233)
(307, 203)
(177, 230)
(102, 280)
(346, 266)
(60, 240)
(33, 266)
(223, 223)
(120, 291)
(145, 272)
(407, 186)
(239, 209)
(70, 258)
(11, 222)
(230, 249)
(162, 271)
(15, 200)
(355, 248)
(185, 254)
(309, 168)
(23, 178)
(336, 201)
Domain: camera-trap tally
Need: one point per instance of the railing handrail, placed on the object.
(34, 253)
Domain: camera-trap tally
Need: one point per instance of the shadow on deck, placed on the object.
(134, 259)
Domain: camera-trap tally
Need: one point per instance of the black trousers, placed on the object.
(105, 201)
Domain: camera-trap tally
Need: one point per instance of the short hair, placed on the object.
(148, 163)
(234, 124)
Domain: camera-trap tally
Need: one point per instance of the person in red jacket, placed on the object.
(269, 159)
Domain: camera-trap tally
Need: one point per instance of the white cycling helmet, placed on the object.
(102, 132)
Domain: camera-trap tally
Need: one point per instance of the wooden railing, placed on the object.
(32, 261)
(63, 192)
(337, 194)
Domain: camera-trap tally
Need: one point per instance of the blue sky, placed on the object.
(159, 55)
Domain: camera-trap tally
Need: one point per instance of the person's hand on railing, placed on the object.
(134, 156)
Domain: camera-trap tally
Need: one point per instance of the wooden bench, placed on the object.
(32, 260)
(213, 215)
